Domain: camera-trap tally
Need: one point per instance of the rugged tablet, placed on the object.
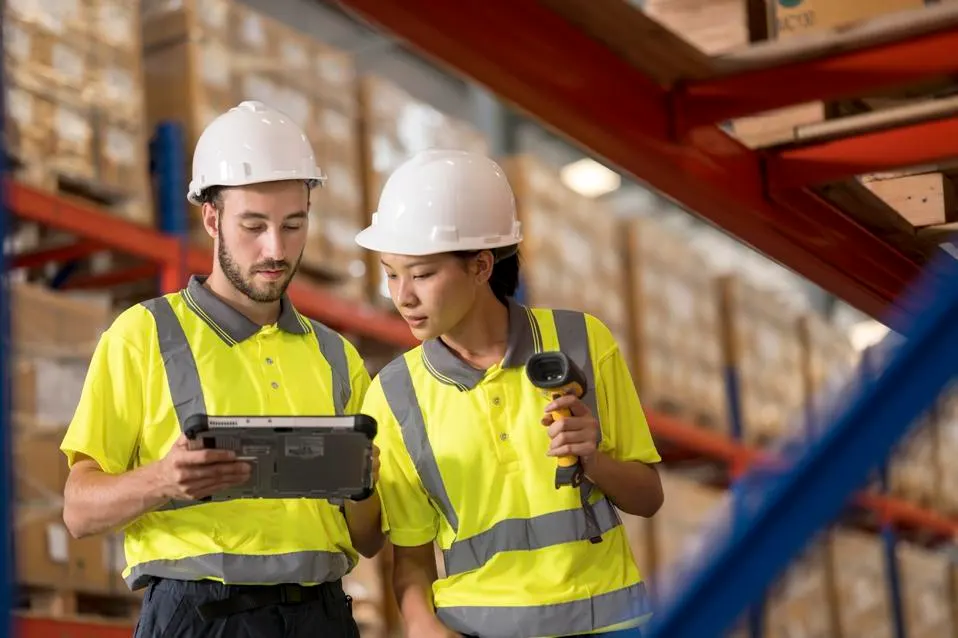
(324, 457)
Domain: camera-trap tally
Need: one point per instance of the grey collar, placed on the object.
(525, 339)
(227, 322)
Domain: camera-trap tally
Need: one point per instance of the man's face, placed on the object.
(434, 293)
(260, 233)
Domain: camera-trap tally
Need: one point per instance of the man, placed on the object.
(230, 343)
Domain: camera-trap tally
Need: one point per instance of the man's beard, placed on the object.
(273, 290)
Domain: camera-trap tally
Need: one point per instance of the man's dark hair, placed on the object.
(214, 197)
(504, 280)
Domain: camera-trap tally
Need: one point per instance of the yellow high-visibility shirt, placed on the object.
(216, 361)
(464, 462)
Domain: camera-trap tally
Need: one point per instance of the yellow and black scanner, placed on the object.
(556, 375)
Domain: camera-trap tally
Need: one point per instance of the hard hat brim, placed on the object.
(377, 240)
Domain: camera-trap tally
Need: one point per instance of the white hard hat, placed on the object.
(249, 144)
(443, 201)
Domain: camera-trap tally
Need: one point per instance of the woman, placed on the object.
(468, 447)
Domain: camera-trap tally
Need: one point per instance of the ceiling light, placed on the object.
(589, 178)
(865, 334)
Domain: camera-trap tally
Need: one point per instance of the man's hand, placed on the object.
(187, 474)
(576, 435)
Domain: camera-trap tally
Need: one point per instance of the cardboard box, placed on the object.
(861, 585)
(760, 339)
(396, 126)
(42, 319)
(795, 17)
(792, 18)
(678, 365)
(926, 587)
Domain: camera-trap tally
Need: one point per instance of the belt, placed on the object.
(263, 596)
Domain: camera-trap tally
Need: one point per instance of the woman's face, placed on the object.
(433, 293)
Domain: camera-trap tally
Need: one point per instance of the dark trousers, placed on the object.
(622, 633)
(207, 609)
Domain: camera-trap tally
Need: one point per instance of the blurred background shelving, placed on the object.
(731, 352)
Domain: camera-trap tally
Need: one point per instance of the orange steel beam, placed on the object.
(920, 144)
(59, 254)
(90, 223)
(37, 627)
(575, 84)
(718, 446)
(111, 278)
(841, 75)
(87, 221)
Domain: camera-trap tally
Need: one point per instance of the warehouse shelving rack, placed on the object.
(622, 86)
(578, 66)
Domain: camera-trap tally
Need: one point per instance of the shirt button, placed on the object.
(269, 360)
(496, 401)
(503, 436)
(274, 384)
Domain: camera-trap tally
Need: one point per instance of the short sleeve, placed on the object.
(625, 430)
(408, 515)
(107, 422)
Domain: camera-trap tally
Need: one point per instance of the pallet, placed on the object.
(76, 182)
(689, 414)
(70, 603)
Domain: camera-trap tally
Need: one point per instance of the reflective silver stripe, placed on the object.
(246, 569)
(573, 336)
(561, 619)
(181, 374)
(401, 396)
(334, 351)
(510, 534)
(516, 534)
(573, 333)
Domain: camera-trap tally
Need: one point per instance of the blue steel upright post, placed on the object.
(755, 618)
(6, 395)
(168, 164)
(803, 491)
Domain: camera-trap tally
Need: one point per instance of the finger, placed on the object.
(573, 437)
(574, 449)
(206, 457)
(209, 489)
(565, 402)
(569, 424)
(547, 420)
(199, 473)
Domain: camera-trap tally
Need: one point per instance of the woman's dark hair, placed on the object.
(504, 280)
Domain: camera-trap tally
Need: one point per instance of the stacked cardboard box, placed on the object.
(761, 342)
(203, 58)
(75, 100)
(800, 603)
(829, 365)
(679, 531)
(678, 360)
(947, 451)
(795, 19)
(926, 588)
(861, 585)
(53, 339)
(395, 126)
(584, 264)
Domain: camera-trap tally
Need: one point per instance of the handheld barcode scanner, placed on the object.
(555, 375)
